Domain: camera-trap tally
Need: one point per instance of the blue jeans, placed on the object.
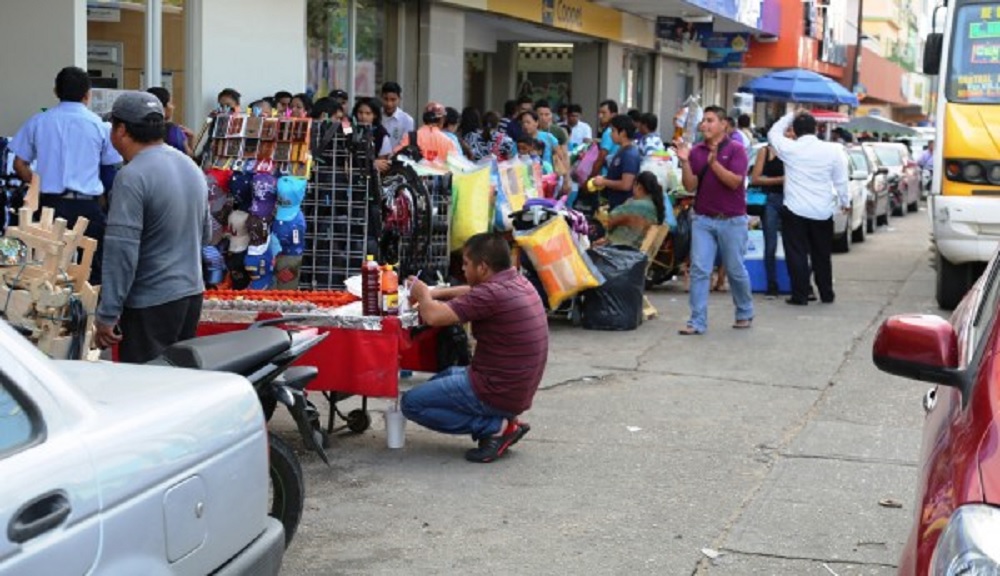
(446, 403)
(772, 224)
(729, 237)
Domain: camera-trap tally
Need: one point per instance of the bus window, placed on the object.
(974, 70)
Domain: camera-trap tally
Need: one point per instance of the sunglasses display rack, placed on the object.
(240, 142)
(337, 209)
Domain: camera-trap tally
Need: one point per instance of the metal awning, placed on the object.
(880, 125)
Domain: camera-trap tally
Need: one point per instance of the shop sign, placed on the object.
(726, 50)
(566, 14)
(680, 31)
(574, 15)
(747, 12)
(104, 14)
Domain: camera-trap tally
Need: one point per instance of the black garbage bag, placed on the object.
(617, 304)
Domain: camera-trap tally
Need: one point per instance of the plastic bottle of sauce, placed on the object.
(370, 288)
(390, 291)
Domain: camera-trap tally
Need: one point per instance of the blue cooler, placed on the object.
(755, 264)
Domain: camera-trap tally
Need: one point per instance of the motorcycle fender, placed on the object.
(297, 407)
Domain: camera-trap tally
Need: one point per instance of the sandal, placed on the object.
(743, 324)
(689, 331)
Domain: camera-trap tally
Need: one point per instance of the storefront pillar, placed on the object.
(154, 44)
(442, 56)
(54, 34)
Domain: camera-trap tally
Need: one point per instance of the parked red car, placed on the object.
(956, 528)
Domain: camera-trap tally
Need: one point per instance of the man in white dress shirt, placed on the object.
(811, 165)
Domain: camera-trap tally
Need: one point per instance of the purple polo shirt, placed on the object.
(715, 198)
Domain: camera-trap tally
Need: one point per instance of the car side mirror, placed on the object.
(919, 347)
(882, 170)
(932, 53)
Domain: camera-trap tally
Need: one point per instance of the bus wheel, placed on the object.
(953, 281)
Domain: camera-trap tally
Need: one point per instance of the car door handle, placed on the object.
(38, 517)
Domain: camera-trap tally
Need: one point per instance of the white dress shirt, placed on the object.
(815, 172)
(579, 133)
(398, 125)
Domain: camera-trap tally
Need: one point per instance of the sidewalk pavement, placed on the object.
(740, 452)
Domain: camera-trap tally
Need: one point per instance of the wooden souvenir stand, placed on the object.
(39, 296)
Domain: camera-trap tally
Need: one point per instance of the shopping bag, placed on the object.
(471, 205)
(562, 267)
(756, 201)
(510, 192)
(585, 165)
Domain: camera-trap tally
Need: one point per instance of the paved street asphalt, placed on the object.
(769, 448)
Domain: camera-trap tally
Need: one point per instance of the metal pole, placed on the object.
(856, 76)
(154, 43)
(352, 49)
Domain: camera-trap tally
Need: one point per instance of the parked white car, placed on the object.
(112, 469)
(851, 226)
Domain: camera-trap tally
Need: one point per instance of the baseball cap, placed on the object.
(214, 265)
(239, 238)
(258, 230)
(135, 107)
(259, 263)
(241, 189)
(435, 108)
(291, 191)
(291, 234)
(221, 176)
(264, 196)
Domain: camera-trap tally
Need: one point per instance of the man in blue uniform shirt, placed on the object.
(68, 143)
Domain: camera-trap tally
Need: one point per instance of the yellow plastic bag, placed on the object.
(471, 205)
(564, 270)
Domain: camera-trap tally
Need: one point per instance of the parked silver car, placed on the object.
(850, 227)
(865, 162)
(121, 469)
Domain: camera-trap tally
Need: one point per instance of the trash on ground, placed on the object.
(713, 554)
(890, 503)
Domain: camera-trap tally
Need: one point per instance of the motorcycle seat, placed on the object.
(238, 352)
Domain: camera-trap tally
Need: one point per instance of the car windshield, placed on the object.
(858, 161)
(888, 156)
(974, 60)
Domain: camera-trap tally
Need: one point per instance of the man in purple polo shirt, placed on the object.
(512, 344)
(716, 169)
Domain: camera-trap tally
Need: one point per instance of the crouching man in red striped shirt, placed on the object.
(512, 345)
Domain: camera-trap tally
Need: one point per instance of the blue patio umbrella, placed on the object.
(798, 85)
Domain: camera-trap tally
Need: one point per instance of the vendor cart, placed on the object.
(361, 356)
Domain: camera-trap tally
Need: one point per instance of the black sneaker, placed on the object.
(494, 447)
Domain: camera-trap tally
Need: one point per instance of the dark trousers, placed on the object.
(146, 332)
(70, 209)
(806, 241)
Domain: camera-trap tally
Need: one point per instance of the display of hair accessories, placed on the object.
(221, 126)
(236, 125)
(233, 147)
(266, 150)
(285, 130)
(283, 152)
(269, 130)
(255, 125)
(251, 146)
(300, 130)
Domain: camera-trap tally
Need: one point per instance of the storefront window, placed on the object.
(545, 71)
(634, 80)
(329, 33)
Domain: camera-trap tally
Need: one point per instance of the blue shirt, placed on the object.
(69, 144)
(551, 143)
(626, 161)
(454, 138)
(608, 144)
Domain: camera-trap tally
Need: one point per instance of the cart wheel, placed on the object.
(358, 421)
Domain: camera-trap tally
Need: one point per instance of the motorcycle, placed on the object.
(264, 355)
(897, 200)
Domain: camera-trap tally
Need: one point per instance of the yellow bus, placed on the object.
(964, 204)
